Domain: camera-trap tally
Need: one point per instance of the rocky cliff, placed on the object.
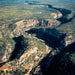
(38, 47)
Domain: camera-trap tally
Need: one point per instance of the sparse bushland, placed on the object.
(22, 50)
(20, 11)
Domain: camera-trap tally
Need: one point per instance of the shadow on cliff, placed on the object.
(55, 63)
(62, 63)
(52, 37)
(65, 12)
(20, 46)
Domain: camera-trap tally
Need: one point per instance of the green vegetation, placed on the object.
(15, 41)
(10, 11)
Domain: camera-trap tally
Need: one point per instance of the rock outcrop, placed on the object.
(23, 25)
(56, 15)
(26, 54)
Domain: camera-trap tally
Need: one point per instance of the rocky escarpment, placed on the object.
(51, 41)
(9, 31)
(23, 25)
(47, 33)
(26, 46)
(17, 28)
(26, 55)
(62, 63)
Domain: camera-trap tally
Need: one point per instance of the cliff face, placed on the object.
(56, 15)
(29, 50)
(62, 63)
(39, 47)
(23, 25)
